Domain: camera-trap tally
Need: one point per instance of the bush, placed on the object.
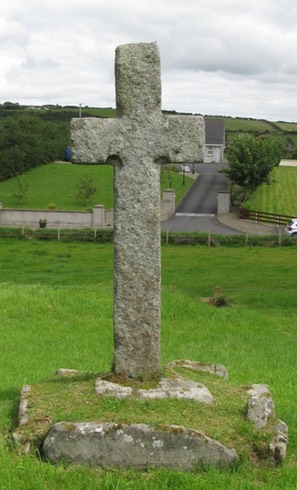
(85, 190)
(20, 192)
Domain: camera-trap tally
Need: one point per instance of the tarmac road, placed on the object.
(197, 211)
(202, 197)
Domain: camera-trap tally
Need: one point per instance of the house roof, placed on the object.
(214, 131)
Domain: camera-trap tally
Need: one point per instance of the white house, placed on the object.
(214, 140)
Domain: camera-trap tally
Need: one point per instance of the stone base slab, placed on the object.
(180, 388)
(171, 446)
(110, 445)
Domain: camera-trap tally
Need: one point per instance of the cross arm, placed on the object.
(91, 139)
(184, 138)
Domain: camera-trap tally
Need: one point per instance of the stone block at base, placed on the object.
(110, 445)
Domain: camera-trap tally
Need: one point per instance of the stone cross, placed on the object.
(136, 142)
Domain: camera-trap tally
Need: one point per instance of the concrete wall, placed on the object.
(99, 217)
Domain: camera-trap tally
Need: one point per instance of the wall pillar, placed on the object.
(169, 195)
(223, 202)
(98, 216)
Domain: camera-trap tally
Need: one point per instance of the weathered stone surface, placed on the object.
(260, 410)
(108, 445)
(279, 443)
(260, 405)
(23, 417)
(68, 372)
(217, 369)
(180, 388)
(23, 406)
(136, 142)
(107, 388)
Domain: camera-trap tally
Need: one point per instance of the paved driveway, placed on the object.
(202, 197)
(197, 223)
(197, 211)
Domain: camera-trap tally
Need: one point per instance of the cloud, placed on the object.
(221, 56)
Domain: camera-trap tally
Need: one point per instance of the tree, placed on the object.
(85, 190)
(20, 192)
(27, 141)
(251, 160)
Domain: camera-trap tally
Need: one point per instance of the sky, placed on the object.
(218, 57)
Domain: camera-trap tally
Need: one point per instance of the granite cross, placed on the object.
(136, 142)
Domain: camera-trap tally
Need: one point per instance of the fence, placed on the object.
(260, 216)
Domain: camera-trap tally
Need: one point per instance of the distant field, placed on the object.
(280, 195)
(56, 183)
(236, 124)
(287, 126)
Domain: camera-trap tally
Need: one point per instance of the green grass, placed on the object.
(280, 195)
(56, 311)
(287, 126)
(57, 183)
(293, 137)
(242, 124)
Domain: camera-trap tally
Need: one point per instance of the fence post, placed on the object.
(167, 236)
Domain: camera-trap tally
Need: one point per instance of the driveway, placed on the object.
(202, 197)
(197, 223)
(197, 210)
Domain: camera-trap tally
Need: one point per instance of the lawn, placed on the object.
(56, 301)
(57, 183)
(280, 195)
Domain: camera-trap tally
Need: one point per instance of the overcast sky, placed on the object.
(218, 57)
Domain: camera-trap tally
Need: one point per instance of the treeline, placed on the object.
(27, 140)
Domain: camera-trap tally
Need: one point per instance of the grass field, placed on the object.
(56, 301)
(280, 195)
(57, 183)
(234, 124)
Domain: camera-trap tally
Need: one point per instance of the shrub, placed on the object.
(20, 192)
(85, 189)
